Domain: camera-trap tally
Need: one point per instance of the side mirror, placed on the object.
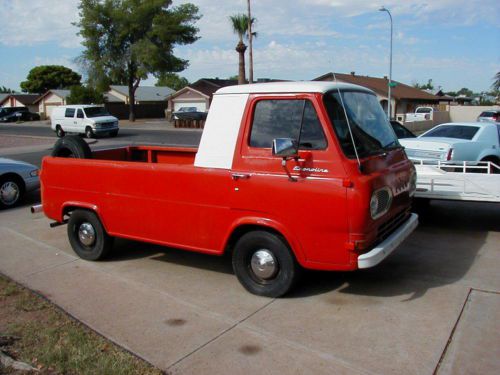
(285, 147)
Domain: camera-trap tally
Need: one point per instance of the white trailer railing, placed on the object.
(464, 181)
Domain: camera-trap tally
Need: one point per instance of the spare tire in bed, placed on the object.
(72, 146)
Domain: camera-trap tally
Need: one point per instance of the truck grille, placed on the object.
(107, 124)
(385, 230)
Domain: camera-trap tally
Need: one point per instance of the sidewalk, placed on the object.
(186, 312)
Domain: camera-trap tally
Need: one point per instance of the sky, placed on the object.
(456, 43)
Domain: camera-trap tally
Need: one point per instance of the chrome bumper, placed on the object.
(386, 247)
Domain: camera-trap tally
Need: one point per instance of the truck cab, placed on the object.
(287, 176)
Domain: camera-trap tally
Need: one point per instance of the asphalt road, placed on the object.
(127, 136)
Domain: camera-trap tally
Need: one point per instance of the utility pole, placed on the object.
(384, 9)
(250, 36)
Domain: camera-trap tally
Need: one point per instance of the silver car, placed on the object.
(16, 179)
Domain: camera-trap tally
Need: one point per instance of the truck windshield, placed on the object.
(371, 130)
(96, 112)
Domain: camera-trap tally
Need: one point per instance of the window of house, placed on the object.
(283, 119)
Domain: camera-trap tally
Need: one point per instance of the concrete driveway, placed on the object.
(432, 307)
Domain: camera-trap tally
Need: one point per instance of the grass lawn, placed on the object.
(46, 338)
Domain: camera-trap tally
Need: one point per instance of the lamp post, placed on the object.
(384, 9)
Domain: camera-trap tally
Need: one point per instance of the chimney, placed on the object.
(353, 73)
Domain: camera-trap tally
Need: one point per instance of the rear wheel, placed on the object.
(264, 264)
(87, 235)
(59, 131)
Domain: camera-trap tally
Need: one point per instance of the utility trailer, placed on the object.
(465, 181)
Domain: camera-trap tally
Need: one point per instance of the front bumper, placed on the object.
(386, 247)
(105, 130)
(32, 183)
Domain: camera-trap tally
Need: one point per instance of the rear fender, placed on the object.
(72, 205)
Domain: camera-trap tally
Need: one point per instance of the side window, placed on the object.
(70, 112)
(79, 113)
(282, 119)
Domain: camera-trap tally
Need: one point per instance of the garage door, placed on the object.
(200, 106)
(49, 107)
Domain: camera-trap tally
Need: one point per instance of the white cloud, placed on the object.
(39, 21)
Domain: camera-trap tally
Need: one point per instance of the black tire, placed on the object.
(89, 133)
(286, 270)
(114, 133)
(72, 146)
(494, 160)
(82, 226)
(11, 191)
(59, 131)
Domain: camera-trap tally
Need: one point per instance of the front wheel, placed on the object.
(89, 133)
(264, 264)
(87, 235)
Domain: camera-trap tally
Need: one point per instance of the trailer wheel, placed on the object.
(72, 146)
(87, 236)
(264, 264)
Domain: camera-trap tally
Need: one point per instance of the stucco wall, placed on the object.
(459, 113)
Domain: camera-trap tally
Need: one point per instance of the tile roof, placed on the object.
(146, 93)
(380, 86)
(26, 99)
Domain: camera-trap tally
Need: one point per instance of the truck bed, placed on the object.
(148, 154)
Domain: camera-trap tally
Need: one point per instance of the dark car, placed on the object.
(13, 114)
(401, 131)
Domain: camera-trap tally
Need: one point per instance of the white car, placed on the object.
(16, 179)
(90, 120)
(456, 142)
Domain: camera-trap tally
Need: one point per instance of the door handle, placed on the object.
(240, 176)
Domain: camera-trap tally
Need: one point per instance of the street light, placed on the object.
(384, 9)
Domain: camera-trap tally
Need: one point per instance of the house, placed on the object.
(198, 94)
(143, 94)
(51, 99)
(20, 100)
(404, 98)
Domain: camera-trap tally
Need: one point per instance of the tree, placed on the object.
(465, 91)
(239, 23)
(172, 80)
(426, 86)
(6, 90)
(84, 95)
(125, 40)
(45, 77)
(496, 83)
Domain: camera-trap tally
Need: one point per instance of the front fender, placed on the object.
(271, 224)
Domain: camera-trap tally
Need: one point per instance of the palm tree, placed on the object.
(240, 27)
(496, 82)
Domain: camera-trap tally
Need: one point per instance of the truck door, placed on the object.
(306, 196)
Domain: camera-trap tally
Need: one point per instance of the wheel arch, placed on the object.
(246, 225)
(15, 176)
(68, 207)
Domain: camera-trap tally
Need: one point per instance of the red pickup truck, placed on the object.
(287, 176)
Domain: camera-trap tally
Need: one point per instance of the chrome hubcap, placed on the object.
(9, 193)
(86, 234)
(263, 264)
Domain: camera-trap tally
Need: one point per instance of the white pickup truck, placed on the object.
(421, 114)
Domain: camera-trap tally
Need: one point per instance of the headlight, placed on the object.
(35, 173)
(380, 202)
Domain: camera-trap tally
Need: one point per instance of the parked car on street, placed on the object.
(14, 114)
(457, 142)
(189, 113)
(401, 131)
(16, 179)
(90, 120)
(287, 175)
(489, 116)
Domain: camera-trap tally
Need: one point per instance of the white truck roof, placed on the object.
(289, 87)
